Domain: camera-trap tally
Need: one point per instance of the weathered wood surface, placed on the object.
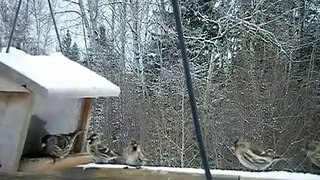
(15, 112)
(84, 120)
(46, 165)
(116, 172)
(44, 168)
(10, 86)
(113, 174)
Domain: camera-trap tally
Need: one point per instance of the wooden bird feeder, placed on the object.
(40, 95)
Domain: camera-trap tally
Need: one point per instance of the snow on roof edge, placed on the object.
(17, 78)
(55, 75)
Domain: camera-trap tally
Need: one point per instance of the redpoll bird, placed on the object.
(101, 154)
(252, 157)
(60, 145)
(313, 152)
(133, 155)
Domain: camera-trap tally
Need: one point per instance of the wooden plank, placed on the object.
(10, 86)
(14, 76)
(83, 123)
(15, 113)
(116, 174)
(41, 165)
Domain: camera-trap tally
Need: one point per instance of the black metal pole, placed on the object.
(13, 27)
(55, 25)
(193, 104)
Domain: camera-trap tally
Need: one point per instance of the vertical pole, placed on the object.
(55, 25)
(13, 27)
(193, 104)
(86, 105)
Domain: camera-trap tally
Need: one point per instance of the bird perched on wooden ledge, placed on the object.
(313, 152)
(60, 145)
(101, 153)
(133, 156)
(253, 157)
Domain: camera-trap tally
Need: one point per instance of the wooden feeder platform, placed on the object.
(113, 174)
(46, 165)
(116, 172)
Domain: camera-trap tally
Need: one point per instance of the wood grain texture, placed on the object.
(41, 165)
(83, 123)
(15, 113)
(114, 174)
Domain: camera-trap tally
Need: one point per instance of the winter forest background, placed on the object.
(255, 68)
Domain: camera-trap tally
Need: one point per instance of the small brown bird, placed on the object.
(101, 153)
(253, 157)
(60, 145)
(313, 152)
(133, 156)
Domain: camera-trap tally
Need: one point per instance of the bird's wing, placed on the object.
(141, 157)
(103, 148)
(106, 150)
(62, 141)
(125, 152)
(258, 151)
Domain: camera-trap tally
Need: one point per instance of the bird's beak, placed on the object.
(43, 145)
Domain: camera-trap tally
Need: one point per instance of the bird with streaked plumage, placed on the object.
(313, 152)
(59, 145)
(101, 153)
(133, 156)
(253, 157)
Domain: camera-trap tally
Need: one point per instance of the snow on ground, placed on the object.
(273, 175)
(55, 75)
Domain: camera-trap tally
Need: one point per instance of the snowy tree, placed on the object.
(254, 64)
(75, 52)
(68, 49)
(22, 37)
(66, 44)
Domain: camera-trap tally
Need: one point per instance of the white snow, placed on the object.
(153, 55)
(273, 175)
(229, 55)
(217, 4)
(54, 75)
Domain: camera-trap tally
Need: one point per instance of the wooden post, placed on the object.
(15, 113)
(83, 123)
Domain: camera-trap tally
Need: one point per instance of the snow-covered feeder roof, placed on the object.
(54, 75)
